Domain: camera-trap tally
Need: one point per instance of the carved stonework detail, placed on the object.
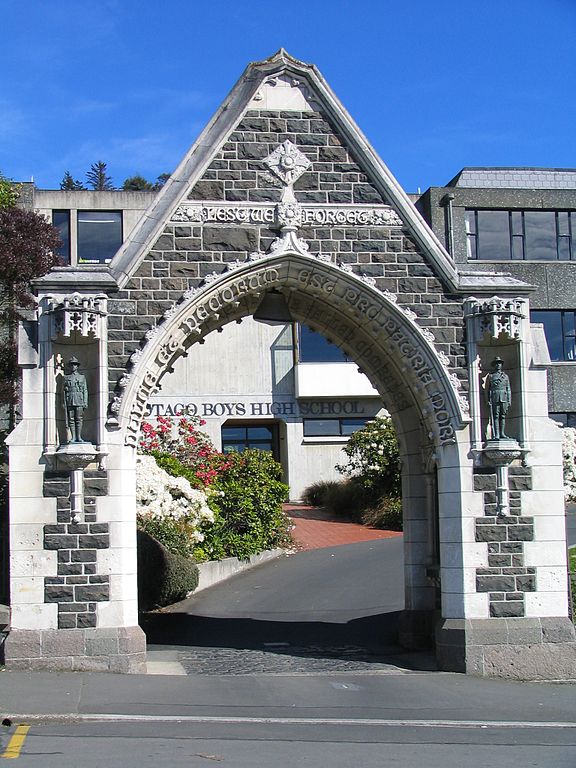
(287, 163)
(287, 213)
(496, 317)
(79, 314)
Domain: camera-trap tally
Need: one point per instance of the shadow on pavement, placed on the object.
(370, 639)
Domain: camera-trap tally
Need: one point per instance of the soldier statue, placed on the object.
(499, 397)
(75, 392)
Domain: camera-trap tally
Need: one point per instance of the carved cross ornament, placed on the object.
(287, 163)
(496, 317)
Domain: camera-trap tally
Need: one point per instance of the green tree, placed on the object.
(8, 192)
(136, 184)
(97, 177)
(69, 184)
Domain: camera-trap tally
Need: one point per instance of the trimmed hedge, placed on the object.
(163, 578)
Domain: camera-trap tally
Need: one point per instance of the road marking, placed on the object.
(159, 718)
(16, 742)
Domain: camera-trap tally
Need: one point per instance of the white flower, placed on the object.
(158, 494)
(569, 460)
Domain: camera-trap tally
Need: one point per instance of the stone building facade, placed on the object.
(282, 194)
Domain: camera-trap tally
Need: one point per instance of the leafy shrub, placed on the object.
(373, 459)
(385, 514)
(248, 516)
(163, 577)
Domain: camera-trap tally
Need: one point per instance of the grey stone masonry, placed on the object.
(185, 253)
(506, 579)
(77, 587)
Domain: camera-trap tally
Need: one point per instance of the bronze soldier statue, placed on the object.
(499, 397)
(75, 399)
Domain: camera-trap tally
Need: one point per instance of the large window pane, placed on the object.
(540, 228)
(99, 235)
(552, 321)
(61, 220)
(349, 426)
(259, 433)
(493, 235)
(314, 348)
(321, 427)
(569, 333)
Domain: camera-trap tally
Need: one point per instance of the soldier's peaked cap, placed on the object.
(74, 360)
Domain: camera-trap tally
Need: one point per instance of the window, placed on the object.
(560, 330)
(315, 348)
(520, 235)
(332, 427)
(61, 220)
(99, 236)
(566, 418)
(239, 437)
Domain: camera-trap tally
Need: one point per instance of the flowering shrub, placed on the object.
(373, 459)
(243, 490)
(169, 508)
(248, 512)
(569, 460)
(185, 442)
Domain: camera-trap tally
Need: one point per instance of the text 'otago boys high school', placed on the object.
(285, 289)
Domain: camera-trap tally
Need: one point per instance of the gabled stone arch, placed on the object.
(383, 339)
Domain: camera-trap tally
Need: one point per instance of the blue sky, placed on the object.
(434, 86)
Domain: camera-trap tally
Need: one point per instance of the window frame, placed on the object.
(73, 213)
(340, 422)
(519, 237)
(567, 332)
(338, 357)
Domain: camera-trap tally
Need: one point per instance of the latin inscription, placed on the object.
(383, 330)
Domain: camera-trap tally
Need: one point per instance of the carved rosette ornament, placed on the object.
(287, 163)
(289, 215)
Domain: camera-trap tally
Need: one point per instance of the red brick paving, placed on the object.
(314, 529)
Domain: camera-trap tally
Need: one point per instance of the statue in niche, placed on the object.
(499, 398)
(75, 392)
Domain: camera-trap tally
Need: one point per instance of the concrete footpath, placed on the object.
(396, 697)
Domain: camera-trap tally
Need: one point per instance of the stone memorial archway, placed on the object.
(282, 192)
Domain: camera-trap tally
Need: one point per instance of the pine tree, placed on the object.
(97, 177)
(161, 180)
(68, 184)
